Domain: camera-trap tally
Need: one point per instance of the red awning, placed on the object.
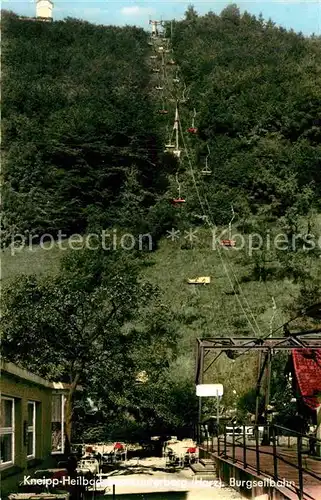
(307, 367)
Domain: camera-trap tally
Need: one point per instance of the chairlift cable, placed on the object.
(212, 225)
(239, 286)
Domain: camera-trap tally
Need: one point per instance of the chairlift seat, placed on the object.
(177, 201)
(176, 80)
(159, 88)
(156, 70)
(206, 172)
(228, 243)
(192, 130)
(201, 280)
(169, 146)
(171, 62)
(163, 111)
(153, 57)
(177, 153)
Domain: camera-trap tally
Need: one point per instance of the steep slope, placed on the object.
(256, 90)
(80, 141)
(257, 95)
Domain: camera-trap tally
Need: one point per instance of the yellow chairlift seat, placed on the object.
(201, 280)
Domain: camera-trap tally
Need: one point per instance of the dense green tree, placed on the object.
(77, 118)
(62, 327)
(97, 321)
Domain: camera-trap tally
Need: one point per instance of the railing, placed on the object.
(228, 442)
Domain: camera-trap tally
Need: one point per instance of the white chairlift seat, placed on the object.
(206, 172)
(176, 80)
(201, 280)
(153, 57)
(177, 153)
(169, 148)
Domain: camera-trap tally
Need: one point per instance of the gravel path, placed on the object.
(145, 476)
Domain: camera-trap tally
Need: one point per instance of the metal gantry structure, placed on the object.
(231, 346)
(234, 347)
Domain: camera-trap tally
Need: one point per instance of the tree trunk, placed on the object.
(69, 413)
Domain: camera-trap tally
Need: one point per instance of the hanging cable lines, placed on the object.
(204, 205)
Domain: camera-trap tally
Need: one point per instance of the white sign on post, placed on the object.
(209, 390)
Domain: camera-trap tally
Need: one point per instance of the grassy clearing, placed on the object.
(202, 310)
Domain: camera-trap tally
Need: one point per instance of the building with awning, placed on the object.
(32, 421)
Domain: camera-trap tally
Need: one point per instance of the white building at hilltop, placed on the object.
(44, 9)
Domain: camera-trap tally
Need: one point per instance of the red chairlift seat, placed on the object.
(177, 201)
(192, 130)
(118, 446)
(228, 243)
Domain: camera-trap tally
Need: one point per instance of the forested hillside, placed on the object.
(82, 136)
(83, 151)
(81, 140)
(257, 91)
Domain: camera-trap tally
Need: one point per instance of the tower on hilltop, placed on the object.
(44, 9)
